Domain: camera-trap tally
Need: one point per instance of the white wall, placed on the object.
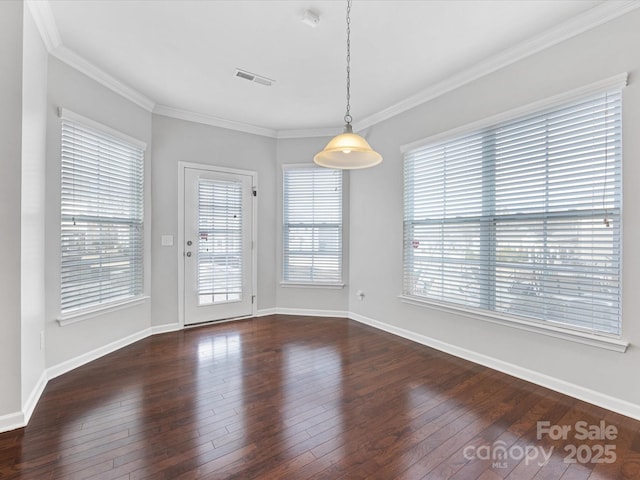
(376, 212)
(11, 15)
(301, 151)
(34, 124)
(182, 141)
(72, 90)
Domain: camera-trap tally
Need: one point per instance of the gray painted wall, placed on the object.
(376, 210)
(10, 155)
(74, 91)
(374, 205)
(177, 141)
(34, 125)
(301, 151)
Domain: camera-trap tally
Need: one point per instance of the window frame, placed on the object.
(608, 341)
(284, 281)
(95, 309)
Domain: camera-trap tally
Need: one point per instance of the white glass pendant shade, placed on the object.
(347, 151)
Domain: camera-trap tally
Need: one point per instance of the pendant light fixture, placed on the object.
(348, 151)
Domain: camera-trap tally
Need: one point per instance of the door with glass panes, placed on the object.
(217, 245)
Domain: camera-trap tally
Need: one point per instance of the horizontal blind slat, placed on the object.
(312, 225)
(522, 218)
(102, 218)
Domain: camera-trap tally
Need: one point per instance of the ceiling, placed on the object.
(180, 56)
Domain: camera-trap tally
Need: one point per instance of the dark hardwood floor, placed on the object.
(307, 398)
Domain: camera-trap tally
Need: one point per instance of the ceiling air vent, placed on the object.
(252, 77)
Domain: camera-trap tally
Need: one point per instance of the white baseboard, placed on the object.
(68, 365)
(11, 421)
(30, 405)
(169, 327)
(306, 312)
(576, 391)
(20, 419)
(312, 313)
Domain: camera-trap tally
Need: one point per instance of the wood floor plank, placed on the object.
(301, 398)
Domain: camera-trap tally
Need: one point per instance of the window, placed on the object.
(312, 236)
(220, 236)
(522, 218)
(102, 217)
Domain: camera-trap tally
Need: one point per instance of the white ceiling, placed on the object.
(183, 54)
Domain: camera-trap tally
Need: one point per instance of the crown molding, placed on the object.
(181, 114)
(196, 117)
(45, 23)
(74, 60)
(598, 15)
(308, 132)
(592, 18)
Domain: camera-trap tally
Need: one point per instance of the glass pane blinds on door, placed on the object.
(219, 241)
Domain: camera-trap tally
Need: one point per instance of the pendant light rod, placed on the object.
(348, 150)
(347, 116)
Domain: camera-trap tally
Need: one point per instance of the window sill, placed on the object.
(87, 313)
(312, 285)
(600, 341)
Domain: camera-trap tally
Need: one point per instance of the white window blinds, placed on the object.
(219, 241)
(312, 236)
(102, 218)
(522, 218)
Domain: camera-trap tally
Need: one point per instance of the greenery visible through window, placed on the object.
(522, 218)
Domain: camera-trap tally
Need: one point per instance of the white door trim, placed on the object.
(182, 166)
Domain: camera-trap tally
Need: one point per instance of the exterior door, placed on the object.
(217, 245)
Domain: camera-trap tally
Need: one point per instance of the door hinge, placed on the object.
(253, 299)
(254, 191)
